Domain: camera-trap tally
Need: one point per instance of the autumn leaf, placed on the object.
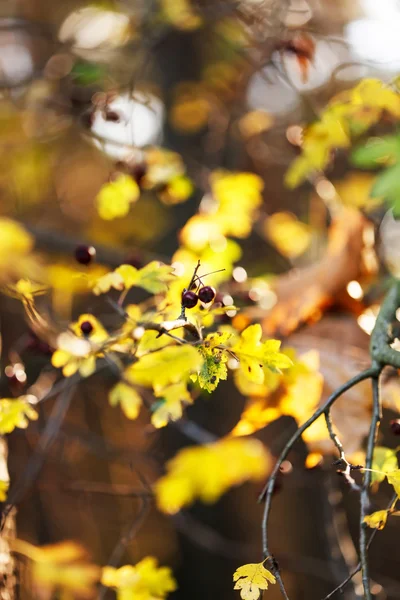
(251, 579)
(144, 581)
(153, 278)
(15, 412)
(4, 485)
(279, 395)
(214, 366)
(394, 479)
(207, 472)
(115, 197)
(170, 407)
(384, 462)
(164, 367)
(127, 397)
(289, 235)
(254, 355)
(377, 520)
(60, 566)
(348, 114)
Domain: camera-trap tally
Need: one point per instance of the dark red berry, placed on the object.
(207, 294)
(135, 260)
(395, 426)
(85, 254)
(189, 299)
(112, 115)
(139, 173)
(86, 327)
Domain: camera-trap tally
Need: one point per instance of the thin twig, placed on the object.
(125, 539)
(342, 457)
(364, 499)
(270, 486)
(36, 461)
(340, 587)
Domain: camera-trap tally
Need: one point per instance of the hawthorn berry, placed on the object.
(395, 426)
(85, 254)
(139, 172)
(207, 294)
(189, 299)
(86, 327)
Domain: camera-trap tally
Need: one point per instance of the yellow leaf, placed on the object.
(164, 367)
(251, 579)
(127, 397)
(171, 406)
(384, 460)
(289, 235)
(178, 190)
(254, 355)
(154, 277)
(279, 395)
(108, 281)
(129, 275)
(61, 565)
(377, 520)
(207, 472)
(375, 93)
(115, 198)
(394, 479)
(15, 413)
(4, 485)
(354, 190)
(215, 359)
(143, 581)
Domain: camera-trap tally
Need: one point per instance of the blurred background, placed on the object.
(89, 92)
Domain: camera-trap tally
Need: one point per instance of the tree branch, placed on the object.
(365, 505)
(270, 486)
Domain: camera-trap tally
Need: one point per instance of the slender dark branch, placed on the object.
(270, 486)
(125, 539)
(365, 504)
(340, 587)
(346, 472)
(36, 461)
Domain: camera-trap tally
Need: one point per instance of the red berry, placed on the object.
(85, 254)
(135, 260)
(189, 299)
(86, 327)
(395, 426)
(112, 115)
(139, 172)
(207, 294)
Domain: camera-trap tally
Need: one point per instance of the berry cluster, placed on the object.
(206, 294)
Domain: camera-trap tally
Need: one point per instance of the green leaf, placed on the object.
(376, 152)
(387, 183)
(387, 186)
(154, 277)
(85, 73)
